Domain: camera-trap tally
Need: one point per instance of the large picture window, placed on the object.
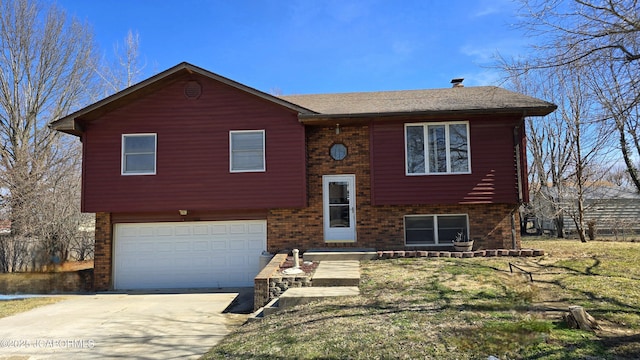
(437, 148)
(434, 229)
(247, 151)
(139, 154)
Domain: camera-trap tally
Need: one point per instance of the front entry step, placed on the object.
(340, 254)
(332, 279)
(337, 273)
(303, 295)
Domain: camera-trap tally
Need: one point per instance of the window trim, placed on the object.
(123, 172)
(425, 126)
(264, 146)
(437, 241)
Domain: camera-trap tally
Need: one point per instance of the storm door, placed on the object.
(339, 200)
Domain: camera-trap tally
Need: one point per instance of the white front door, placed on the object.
(339, 201)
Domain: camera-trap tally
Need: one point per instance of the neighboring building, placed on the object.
(612, 209)
(192, 175)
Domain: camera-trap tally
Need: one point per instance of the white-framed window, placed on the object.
(437, 148)
(247, 151)
(422, 230)
(139, 154)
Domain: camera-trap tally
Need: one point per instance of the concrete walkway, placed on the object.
(331, 279)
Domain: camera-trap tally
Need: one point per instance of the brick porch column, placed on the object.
(103, 252)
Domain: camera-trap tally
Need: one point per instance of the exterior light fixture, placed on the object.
(182, 212)
(337, 129)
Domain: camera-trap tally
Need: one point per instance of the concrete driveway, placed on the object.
(107, 326)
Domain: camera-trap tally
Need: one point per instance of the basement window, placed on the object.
(424, 230)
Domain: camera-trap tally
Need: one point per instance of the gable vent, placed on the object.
(192, 90)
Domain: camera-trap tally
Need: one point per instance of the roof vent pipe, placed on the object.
(457, 82)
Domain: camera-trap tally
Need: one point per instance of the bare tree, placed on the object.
(567, 148)
(615, 97)
(13, 253)
(603, 36)
(125, 69)
(584, 30)
(590, 139)
(618, 176)
(45, 73)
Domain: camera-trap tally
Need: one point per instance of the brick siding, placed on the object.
(379, 227)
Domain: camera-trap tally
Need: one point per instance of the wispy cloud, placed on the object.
(484, 77)
(403, 47)
(492, 7)
(347, 12)
(488, 52)
(306, 13)
(486, 11)
(481, 54)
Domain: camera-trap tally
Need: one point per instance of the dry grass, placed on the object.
(12, 307)
(465, 309)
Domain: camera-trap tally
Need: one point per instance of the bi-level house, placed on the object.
(193, 175)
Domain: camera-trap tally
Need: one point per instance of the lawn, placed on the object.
(445, 308)
(12, 307)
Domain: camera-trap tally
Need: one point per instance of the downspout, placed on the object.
(514, 238)
(516, 148)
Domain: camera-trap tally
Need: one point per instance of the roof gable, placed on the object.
(70, 123)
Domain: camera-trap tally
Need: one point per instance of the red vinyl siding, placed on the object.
(192, 170)
(493, 177)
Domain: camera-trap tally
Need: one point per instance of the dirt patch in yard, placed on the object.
(75, 265)
(68, 277)
(12, 307)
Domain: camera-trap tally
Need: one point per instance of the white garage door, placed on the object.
(188, 254)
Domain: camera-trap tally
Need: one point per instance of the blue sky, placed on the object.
(315, 46)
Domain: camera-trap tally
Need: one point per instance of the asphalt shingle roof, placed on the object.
(480, 98)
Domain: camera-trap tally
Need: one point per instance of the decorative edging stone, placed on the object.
(458, 254)
(280, 284)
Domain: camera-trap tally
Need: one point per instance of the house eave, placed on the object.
(311, 119)
(67, 125)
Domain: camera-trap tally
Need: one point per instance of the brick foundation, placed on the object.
(382, 227)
